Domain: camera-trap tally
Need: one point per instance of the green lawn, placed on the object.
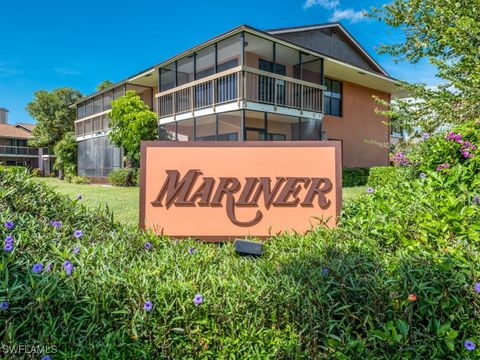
(124, 201)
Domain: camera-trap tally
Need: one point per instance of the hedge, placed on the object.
(124, 177)
(355, 177)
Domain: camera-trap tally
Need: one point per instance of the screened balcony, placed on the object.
(243, 71)
(18, 151)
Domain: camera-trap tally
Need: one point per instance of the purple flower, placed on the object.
(9, 225)
(8, 247)
(442, 166)
(469, 345)
(426, 136)
(198, 299)
(9, 239)
(57, 224)
(422, 175)
(76, 250)
(68, 266)
(48, 268)
(325, 271)
(147, 306)
(370, 190)
(78, 233)
(37, 268)
(191, 250)
(46, 357)
(148, 245)
(477, 287)
(476, 200)
(4, 305)
(466, 154)
(79, 196)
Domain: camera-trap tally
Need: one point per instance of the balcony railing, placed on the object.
(17, 151)
(241, 83)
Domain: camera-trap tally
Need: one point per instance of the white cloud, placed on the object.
(326, 4)
(348, 14)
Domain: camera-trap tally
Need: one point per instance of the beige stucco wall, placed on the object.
(359, 126)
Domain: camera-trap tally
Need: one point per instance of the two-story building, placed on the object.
(303, 83)
(14, 148)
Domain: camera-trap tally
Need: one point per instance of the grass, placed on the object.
(124, 201)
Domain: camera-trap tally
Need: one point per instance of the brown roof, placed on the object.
(11, 131)
(28, 127)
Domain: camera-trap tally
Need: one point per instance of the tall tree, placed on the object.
(104, 85)
(131, 122)
(447, 33)
(53, 116)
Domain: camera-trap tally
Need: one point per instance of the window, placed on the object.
(167, 77)
(185, 70)
(118, 92)
(167, 131)
(205, 62)
(89, 108)
(228, 53)
(333, 97)
(185, 130)
(229, 126)
(266, 85)
(107, 100)
(80, 110)
(205, 128)
(97, 104)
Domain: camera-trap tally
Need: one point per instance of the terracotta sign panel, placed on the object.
(220, 191)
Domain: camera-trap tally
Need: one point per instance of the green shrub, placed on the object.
(20, 169)
(36, 172)
(355, 177)
(124, 177)
(79, 180)
(396, 279)
(380, 175)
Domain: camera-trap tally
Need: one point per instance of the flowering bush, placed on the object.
(397, 279)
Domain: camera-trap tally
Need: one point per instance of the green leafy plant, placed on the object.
(36, 172)
(131, 122)
(124, 177)
(53, 115)
(80, 180)
(398, 278)
(444, 33)
(380, 175)
(355, 176)
(66, 155)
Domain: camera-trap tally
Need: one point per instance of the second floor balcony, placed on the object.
(242, 87)
(17, 151)
(244, 70)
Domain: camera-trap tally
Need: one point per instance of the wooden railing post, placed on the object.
(241, 89)
(214, 94)
(174, 105)
(301, 99)
(275, 94)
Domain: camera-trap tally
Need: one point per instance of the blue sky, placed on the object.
(50, 44)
